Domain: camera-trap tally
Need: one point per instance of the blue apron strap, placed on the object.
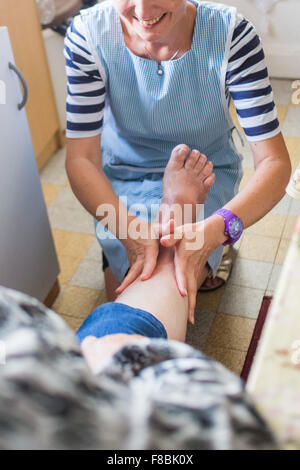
(239, 134)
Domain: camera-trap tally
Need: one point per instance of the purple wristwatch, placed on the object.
(233, 226)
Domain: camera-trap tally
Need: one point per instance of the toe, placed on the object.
(208, 182)
(207, 282)
(212, 282)
(178, 156)
(192, 160)
(201, 163)
(216, 281)
(207, 170)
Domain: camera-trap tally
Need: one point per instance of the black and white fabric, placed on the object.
(152, 394)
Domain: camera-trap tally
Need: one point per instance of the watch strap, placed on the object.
(228, 216)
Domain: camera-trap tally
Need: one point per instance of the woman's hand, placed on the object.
(142, 251)
(193, 245)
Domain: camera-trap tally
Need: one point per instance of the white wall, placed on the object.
(54, 44)
(282, 44)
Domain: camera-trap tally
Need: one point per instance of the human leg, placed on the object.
(111, 284)
(160, 296)
(187, 180)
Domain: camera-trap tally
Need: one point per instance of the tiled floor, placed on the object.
(225, 318)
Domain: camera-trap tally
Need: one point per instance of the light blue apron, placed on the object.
(147, 115)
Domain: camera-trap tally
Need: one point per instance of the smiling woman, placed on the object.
(145, 76)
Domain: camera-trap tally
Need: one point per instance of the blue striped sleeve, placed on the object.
(248, 83)
(86, 89)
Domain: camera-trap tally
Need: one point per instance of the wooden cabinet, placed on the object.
(22, 20)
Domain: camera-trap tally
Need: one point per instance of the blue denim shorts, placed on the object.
(114, 317)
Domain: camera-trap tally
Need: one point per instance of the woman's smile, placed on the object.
(151, 23)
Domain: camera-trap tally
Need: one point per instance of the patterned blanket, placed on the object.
(152, 394)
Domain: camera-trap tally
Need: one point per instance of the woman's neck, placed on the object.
(180, 39)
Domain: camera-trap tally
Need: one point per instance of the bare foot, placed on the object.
(188, 177)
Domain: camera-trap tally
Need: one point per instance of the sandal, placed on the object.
(223, 272)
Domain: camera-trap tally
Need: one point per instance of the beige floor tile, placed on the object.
(78, 302)
(68, 266)
(209, 301)
(66, 213)
(289, 227)
(95, 252)
(281, 113)
(274, 278)
(241, 301)
(293, 146)
(258, 247)
(282, 251)
(231, 332)
(68, 199)
(294, 207)
(250, 273)
(238, 243)
(291, 127)
(248, 172)
(89, 274)
(282, 90)
(54, 172)
(71, 243)
(197, 333)
(50, 192)
(283, 207)
(269, 292)
(60, 238)
(73, 220)
(230, 358)
(73, 322)
(270, 225)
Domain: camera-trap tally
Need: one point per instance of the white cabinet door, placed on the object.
(28, 260)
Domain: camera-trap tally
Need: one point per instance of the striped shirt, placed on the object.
(247, 84)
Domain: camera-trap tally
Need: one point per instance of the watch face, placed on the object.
(235, 227)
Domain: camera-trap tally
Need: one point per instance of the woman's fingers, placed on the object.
(192, 295)
(172, 238)
(151, 253)
(161, 229)
(192, 281)
(132, 275)
(168, 241)
(180, 264)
